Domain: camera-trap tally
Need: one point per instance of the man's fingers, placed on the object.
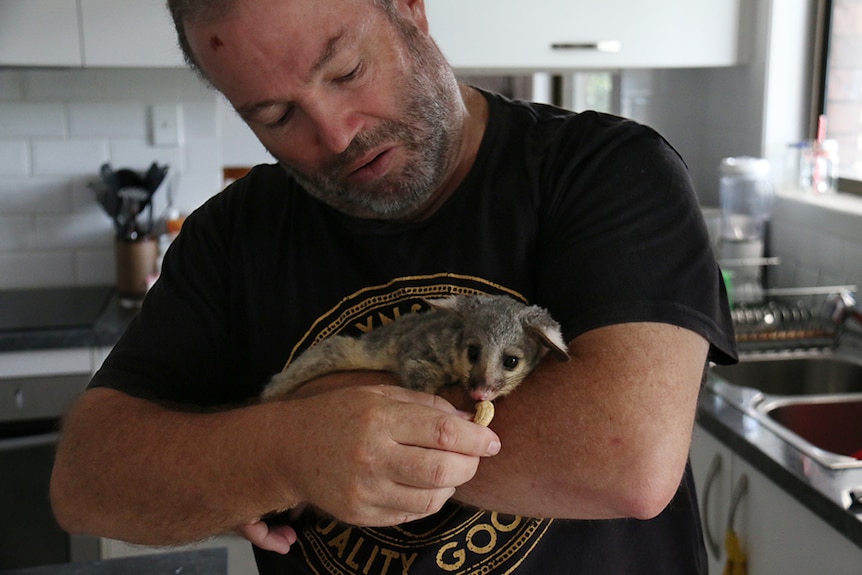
(276, 538)
(447, 431)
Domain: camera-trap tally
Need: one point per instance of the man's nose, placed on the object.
(335, 125)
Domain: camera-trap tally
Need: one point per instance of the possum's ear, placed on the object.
(540, 325)
(443, 303)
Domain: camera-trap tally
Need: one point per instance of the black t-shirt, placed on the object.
(588, 215)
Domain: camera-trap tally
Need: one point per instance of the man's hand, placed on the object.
(382, 455)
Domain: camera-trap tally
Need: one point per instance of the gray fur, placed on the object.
(486, 343)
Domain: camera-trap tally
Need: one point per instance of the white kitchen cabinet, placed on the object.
(93, 33)
(777, 533)
(128, 33)
(39, 33)
(711, 464)
(488, 35)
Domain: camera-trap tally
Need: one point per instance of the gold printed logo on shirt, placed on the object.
(460, 541)
(373, 306)
(457, 539)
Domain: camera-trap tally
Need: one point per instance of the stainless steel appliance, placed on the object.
(40, 329)
(30, 412)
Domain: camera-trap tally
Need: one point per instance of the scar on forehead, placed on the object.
(216, 43)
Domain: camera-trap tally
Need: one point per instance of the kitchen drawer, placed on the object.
(41, 397)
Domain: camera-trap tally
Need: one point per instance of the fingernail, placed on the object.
(494, 447)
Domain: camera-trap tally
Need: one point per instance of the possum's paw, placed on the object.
(484, 413)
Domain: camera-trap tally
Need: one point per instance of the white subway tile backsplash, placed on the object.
(16, 233)
(35, 196)
(198, 120)
(818, 244)
(57, 127)
(14, 158)
(150, 84)
(191, 88)
(26, 269)
(203, 155)
(852, 262)
(139, 155)
(193, 190)
(63, 85)
(96, 266)
(69, 157)
(107, 119)
(73, 231)
(32, 120)
(11, 84)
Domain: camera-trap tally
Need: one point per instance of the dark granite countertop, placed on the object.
(823, 491)
(57, 318)
(198, 562)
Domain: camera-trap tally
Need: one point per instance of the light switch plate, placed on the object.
(165, 125)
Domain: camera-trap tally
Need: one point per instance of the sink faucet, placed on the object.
(841, 307)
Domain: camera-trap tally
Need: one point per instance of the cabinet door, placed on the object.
(128, 33)
(780, 535)
(712, 465)
(39, 33)
(560, 34)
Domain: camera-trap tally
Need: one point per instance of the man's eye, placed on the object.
(281, 120)
(352, 74)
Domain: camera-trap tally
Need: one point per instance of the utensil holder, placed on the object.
(136, 263)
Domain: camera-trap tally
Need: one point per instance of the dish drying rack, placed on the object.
(785, 318)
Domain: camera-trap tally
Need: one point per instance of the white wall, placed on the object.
(58, 126)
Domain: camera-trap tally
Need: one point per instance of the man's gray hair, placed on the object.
(185, 11)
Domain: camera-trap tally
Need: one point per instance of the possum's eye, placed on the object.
(510, 362)
(473, 353)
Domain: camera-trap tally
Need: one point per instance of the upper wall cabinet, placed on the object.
(475, 35)
(128, 33)
(39, 33)
(491, 35)
(123, 33)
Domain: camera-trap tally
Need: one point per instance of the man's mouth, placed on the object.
(373, 166)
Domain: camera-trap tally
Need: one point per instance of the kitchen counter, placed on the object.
(57, 318)
(198, 562)
(824, 491)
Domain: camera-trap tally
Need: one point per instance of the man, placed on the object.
(396, 183)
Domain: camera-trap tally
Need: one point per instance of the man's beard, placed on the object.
(428, 131)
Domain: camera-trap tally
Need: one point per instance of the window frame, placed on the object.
(823, 31)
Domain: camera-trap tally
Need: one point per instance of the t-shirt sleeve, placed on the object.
(620, 203)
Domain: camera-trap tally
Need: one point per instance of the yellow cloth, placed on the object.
(737, 562)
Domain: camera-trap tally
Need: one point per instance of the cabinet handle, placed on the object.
(711, 541)
(600, 46)
(738, 492)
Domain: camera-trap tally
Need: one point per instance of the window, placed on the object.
(839, 85)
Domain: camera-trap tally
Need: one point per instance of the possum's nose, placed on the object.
(482, 393)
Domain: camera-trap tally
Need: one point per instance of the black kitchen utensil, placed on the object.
(124, 195)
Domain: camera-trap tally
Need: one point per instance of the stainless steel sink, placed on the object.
(829, 427)
(812, 400)
(802, 373)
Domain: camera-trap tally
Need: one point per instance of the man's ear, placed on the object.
(414, 11)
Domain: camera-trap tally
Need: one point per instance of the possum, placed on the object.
(486, 343)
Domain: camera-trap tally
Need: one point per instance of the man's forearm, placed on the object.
(133, 470)
(366, 453)
(603, 436)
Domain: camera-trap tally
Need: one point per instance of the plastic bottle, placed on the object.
(746, 195)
